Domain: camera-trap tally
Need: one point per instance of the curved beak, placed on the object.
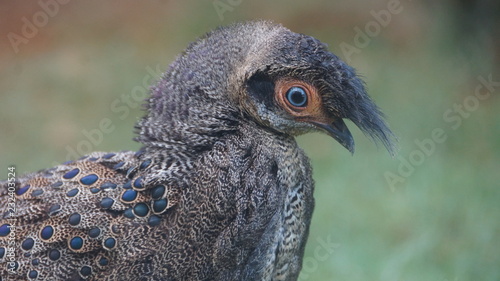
(339, 131)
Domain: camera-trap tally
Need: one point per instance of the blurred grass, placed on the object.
(441, 223)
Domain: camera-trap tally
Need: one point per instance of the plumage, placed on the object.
(219, 191)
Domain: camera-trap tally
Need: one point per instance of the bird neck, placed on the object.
(197, 101)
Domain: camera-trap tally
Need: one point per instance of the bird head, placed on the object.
(291, 83)
(260, 71)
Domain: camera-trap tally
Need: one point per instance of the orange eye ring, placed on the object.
(312, 106)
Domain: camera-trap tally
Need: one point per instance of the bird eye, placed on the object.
(297, 96)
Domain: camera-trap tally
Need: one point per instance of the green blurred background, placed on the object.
(437, 217)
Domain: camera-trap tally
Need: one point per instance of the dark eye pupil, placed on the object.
(297, 96)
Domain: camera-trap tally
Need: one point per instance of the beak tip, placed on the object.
(339, 131)
(348, 143)
(350, 147)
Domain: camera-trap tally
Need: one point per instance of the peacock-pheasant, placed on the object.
(219, 190)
